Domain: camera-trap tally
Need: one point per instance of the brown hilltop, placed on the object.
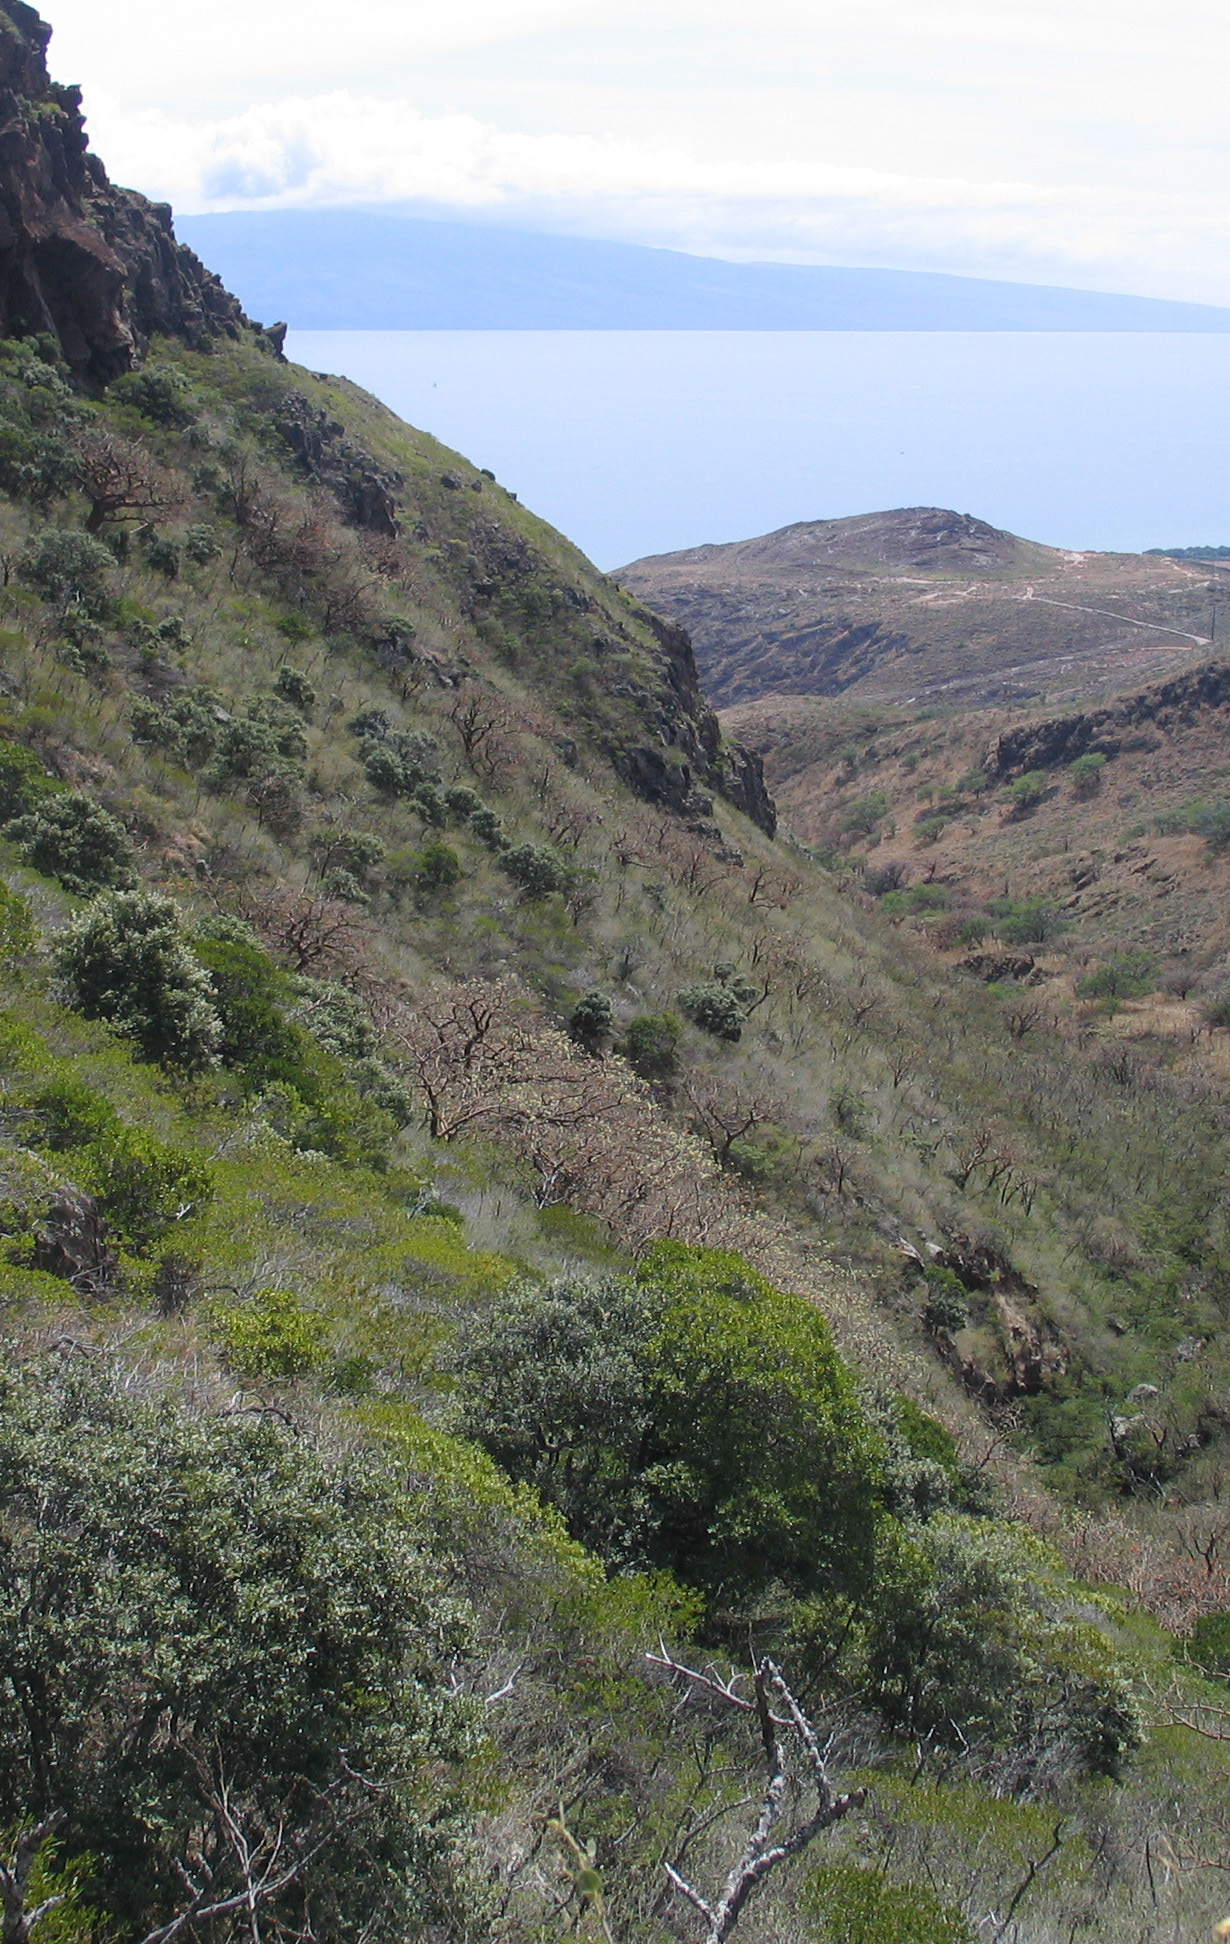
(924, 606)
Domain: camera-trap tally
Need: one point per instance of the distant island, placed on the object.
(354, 269)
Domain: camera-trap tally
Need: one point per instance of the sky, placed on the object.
(1081, 142)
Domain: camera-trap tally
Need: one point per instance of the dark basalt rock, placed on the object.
(71, 1242)
(690, 727)
(96, 267)
(1122, 725)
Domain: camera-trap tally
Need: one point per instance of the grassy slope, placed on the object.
(866, 1065)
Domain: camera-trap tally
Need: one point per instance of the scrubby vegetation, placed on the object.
(526, 1300)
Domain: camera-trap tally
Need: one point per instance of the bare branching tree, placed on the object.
(118, 477)
(769, 1844)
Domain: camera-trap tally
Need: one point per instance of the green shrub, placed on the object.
(23, 781)
(142, 1186)
(1086, 773)
(591, 1021)
(1130, 975)
(1032, 923)
(918, 898)
(1209, 1645)
(159, 393)
(947, 1306)
(70, 838)
(271, 1336)
(69, 1114)
(201, 1601)
(980, 1636)
(853, 1904)
(72, 569)
(18, 933)
(126, 960)
(973, 930)
(1026, 792)
(538, 870)
(162, 554)
(650, 1045)
(861, 817)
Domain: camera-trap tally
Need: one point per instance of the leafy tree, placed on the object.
(212, 1644)
(1026, 792)
(434, 869)
(23, 780)
(538, 870)
(69, 568)
(591, 1021)
(462, 802)
(1086, 773)
(125, 960)
(487, 827)
(201, 544)
(345, 860)
(1130, 975)
(188, 726)
(979, 1638)
(69, 837)
(294, 687)
(642, 1411)
(650, 1045)
(714, 1008)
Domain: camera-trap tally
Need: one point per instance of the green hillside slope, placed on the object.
(540, 1325)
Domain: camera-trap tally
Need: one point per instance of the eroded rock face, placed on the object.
(95, 266)
(691, 728)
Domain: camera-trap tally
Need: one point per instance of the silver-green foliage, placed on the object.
(200, 1620)
(124, 959)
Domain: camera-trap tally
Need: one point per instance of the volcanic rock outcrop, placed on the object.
(95, 266)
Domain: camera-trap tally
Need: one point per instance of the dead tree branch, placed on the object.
(761, 1853)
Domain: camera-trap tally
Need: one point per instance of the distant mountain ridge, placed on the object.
(357, 269)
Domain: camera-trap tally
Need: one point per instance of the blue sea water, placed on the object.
(639, 442)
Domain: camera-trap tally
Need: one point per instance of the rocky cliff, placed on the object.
(98, 269)
(95, 266)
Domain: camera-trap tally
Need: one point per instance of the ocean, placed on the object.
(639, 442)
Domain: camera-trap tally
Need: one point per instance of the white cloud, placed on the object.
(341, 148)
(1080, 141)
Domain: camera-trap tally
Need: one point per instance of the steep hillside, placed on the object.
(926, 607)
(489, 1235)
(1109, 818)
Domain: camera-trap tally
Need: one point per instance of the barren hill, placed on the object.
(924, 606)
